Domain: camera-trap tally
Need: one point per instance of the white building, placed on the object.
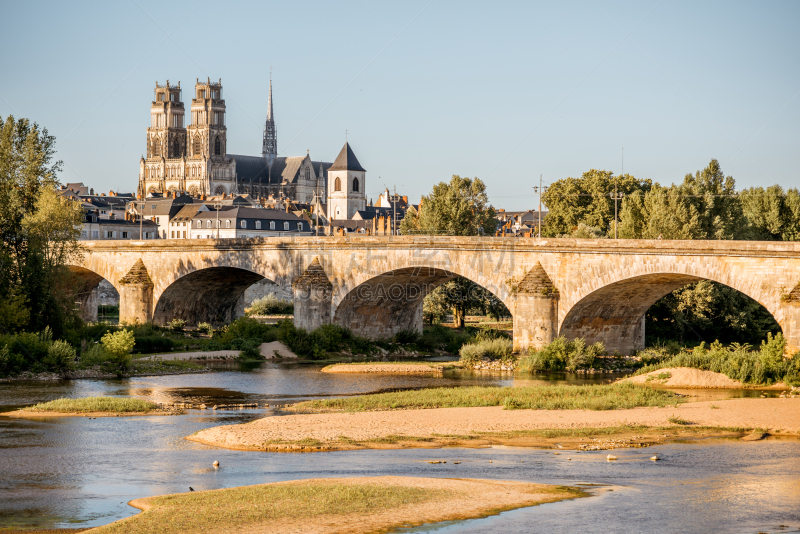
(346, 186)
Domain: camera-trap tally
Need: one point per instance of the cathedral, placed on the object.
(194, 158)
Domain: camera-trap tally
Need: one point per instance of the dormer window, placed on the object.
(208, 224)
(286, 226)
(243, 224)
(228, 223)
(300, 226)
(258, 225)
(272, 225)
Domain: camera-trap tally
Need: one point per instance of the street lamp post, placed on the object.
(616, 196)
(217, 206)
(540, 189)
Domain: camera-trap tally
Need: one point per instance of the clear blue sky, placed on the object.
(499, 90)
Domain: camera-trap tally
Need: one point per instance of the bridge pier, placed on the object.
(312, 294)
(87, 305)
(136, 296)
(790, 325)
(535, 311)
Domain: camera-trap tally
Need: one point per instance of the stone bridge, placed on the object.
(596, 289)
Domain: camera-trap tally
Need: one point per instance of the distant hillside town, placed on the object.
(191, 187)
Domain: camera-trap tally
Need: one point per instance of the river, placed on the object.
(80, 472)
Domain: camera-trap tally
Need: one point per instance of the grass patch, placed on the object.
(561, 397)
(659, 376)
(249, 506)
(678, 420)
(95, 404)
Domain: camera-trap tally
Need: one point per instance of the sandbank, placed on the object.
(281, 508)
(484, 425)
(274, 349)
(394, 368)
(687, 377)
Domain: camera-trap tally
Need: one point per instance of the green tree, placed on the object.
(38, 231)
(459, 207)
(587, 200)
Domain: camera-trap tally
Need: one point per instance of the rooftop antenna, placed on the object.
(345, 136)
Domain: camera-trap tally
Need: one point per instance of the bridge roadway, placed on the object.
(595, 289)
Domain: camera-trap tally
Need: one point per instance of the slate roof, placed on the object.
(254, 169)
(239, 213)
(347, 161)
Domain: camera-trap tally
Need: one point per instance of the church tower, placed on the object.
(346, 185)
(210, 171)
(269, 148)
(162, 168)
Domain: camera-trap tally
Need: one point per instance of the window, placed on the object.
(286, 226)
(272, 225)
(208, 224)
(258, 225)
(110, 234)
(300, 226)
(243, 224)
(184, 234)
(228, 223)
(124, 235)
(176, 149)
(199, 224)
(160, 97)
(172, 234)
(355, 185)
(197, 146)
(95, 234)
(217, 147)
(308, 173)
(337, 185)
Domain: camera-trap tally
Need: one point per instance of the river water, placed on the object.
(80, 472)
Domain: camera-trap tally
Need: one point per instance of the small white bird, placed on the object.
(216, 464)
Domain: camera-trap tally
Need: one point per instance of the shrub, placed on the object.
(248, 347)
(206, 328)
(177, 325)
(147, 344)
(245, 327)
(60, 357)
(96, 355)
(118, 346)
(493, 349)
(270, 305)
(562, 355)
(407, 337)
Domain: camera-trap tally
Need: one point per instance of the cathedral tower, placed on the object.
(269, 148)
(166, 142)
(346, 185)
(210, 170)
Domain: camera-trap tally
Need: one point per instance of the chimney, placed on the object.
(405, 199)
(174, 194)
(91, 191)
(287, 207)
(112, 194)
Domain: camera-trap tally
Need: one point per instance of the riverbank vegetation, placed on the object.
(94, 404)
(593, 397)
(763, 366)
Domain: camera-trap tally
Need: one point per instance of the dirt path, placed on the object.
(448, 499)
(330, 431)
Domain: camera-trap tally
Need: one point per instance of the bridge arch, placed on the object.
(379, 306)
(611, 307)
(85, 282)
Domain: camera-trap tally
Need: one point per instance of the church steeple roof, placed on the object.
(269, 111)
(269, 147)
(346, 161)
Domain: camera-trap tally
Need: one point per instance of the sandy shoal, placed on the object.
(397, 368)
(495, 496)
(777, 415)
(687, 377)
(27, 414)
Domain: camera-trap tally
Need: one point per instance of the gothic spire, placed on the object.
(269, 148)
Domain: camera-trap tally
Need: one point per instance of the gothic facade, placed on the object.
(194, 158)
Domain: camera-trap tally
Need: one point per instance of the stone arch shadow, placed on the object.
(211, 294)
(615, 313)
(385, 304)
